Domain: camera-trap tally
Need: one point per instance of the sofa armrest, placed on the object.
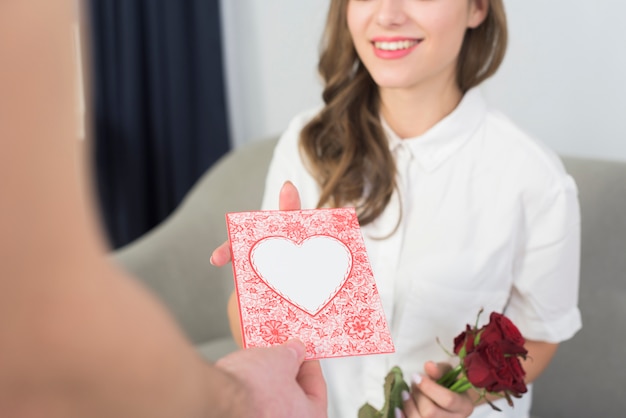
(587, 376)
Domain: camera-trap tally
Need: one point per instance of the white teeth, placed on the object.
(394, 46)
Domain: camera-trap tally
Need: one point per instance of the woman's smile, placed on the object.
(395, 47)
(410, 44)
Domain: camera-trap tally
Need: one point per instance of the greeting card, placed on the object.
(305, 274)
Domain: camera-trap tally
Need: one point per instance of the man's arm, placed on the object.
(78, 338)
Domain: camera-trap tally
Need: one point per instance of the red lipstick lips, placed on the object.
(394, 47)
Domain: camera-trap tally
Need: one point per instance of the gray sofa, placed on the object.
(587, 377)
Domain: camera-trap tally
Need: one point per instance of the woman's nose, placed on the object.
(390, 13)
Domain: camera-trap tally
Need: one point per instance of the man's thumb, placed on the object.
(297, 349)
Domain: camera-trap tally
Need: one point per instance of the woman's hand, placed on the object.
(288, 199)
(428, 399)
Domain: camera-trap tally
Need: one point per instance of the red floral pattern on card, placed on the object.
(274, 332)
(351, 322)
(359, 327)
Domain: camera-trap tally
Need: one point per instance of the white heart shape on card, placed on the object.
(308, 274)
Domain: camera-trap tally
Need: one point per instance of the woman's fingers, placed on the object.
(221, 255)
(425, 406)
(432, 399)
(410, 408)
(289, 198)
(436, 370)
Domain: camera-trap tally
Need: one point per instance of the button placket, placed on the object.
(392, 248)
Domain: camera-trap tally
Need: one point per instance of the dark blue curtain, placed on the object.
(159, 108)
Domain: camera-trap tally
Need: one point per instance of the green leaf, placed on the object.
(368, 411)
(477, 338)
(393, 387)
(463, 350)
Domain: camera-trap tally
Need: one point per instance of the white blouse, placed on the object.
(490, 219)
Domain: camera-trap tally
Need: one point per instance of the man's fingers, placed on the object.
(283, 360)
(289, 355)
(279, 381)
(221, 255)
(297, 348)
(289, 198)
(309, 373)
(311, 380)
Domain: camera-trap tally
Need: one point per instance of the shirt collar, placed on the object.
(447, 136)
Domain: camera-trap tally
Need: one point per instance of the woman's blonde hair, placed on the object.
(344, 145)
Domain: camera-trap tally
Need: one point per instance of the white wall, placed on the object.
(271, 51)
(564, 78)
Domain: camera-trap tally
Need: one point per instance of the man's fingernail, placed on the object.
(405, 395)
(211, 261)
(294, 352)
(417, 378)
(399, 413)
(297, 348)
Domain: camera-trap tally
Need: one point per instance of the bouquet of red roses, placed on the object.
(489, 362)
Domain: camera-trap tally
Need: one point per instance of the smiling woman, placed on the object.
(458, 207)
(428, 35)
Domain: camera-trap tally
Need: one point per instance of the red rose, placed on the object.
(513, 349)
(501, 328)
(483, 365)
(511, 378)
(518, 373)
(465, 339)
(489, 360)
(493, 363)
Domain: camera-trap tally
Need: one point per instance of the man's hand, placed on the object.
(279, 382)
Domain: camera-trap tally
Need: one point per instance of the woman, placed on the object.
(458, 207)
